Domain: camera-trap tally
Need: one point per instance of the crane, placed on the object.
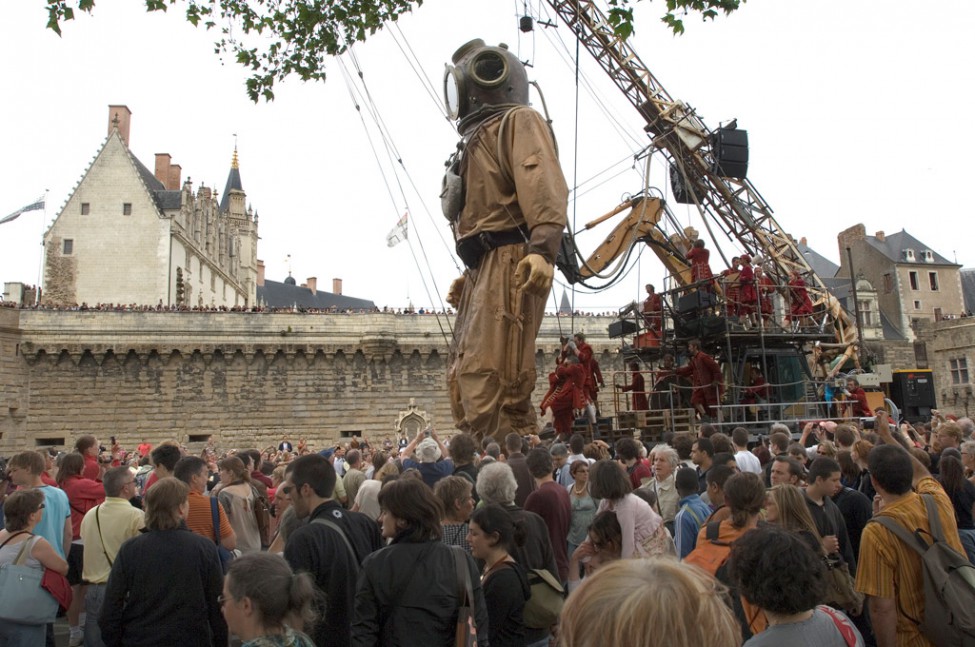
(699, 175)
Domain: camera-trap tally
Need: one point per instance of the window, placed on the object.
(959, 370)
(126, 208)
(85, 208)
(888, 283)
(48, 442)
(933, 280)
(917, 304)
(909, 255)
(866, 314)
(928, 256)
(198, 438)
(68, 246)
(914, 281)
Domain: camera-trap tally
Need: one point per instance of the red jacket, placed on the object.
(83, 495)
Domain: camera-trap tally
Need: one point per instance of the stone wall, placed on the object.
(951, 344)
(245, 379)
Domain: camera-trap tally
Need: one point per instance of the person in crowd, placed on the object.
(961, 491)
(262, 597)
(50, 466)
(457, 502)
(968, 459)
(22, 511)
(83, 495)
(142, 605)
(786, 507)
(780, 573)
(823, 483)
(367, 498)
(432, 457)
(628, 454)
(860, 455)
(644, 533)
(651, 603)
(462, 450)
(238, 499)
(889, 573)
(493, 537)
(665, 462)
(717, 478)
(747, 461)
(87, 446)
(692, 512)
(702, 455)
(513, 448)
(583, 505)
(321, 547)
(496, 483)
(104, 529)
(354, 476)
(856, 509)
(24, 470)
(603, 544)
(408, 591)
(164, 459)
(826, 448)
(786, 470)
(192, 470)
(551, 502)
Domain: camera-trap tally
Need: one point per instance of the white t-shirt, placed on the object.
(748, 462)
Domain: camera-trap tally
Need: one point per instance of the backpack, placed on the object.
(543, 607)
(712, 556)
(262, 512)
(949, 581)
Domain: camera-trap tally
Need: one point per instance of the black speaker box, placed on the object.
(621, 328)
(730, 147)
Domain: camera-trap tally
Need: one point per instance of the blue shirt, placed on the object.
(56, 510)
(431, 472)
(691, 514)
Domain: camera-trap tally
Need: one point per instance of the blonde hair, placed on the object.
(794, 514)
(163, 502)
(649, 602)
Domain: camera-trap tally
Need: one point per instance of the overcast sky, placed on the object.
(856, 112)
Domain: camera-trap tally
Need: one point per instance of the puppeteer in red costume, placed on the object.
(800, 305)
(732, 290)
(637, 388)
(706, 379)
(653, 310)
(699, 258)
(590, 367)
(566, 394)
(505, 197)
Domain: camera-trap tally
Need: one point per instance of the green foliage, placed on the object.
(278, 38)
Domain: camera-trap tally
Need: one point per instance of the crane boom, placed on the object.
(686, 142)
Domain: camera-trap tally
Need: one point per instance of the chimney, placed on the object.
(802, 241)
(337, 286)
(173, 181)
(847, 237)
(312, 284)
(163, 164)
(120, 117)
(880, 236)
(260, 273)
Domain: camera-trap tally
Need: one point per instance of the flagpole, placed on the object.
(40, 262)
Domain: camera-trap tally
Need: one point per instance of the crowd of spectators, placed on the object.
(705, 539)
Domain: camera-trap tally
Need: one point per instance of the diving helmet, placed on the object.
(482, 81)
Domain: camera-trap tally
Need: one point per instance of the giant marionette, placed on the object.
(505, 197)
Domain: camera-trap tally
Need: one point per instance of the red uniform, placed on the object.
(706, 379)
(590, 369)
(732, 291)
(700, 267)
(800, 304)
(759, 390)
(748, 295)
(861, 409)
(653, 308)
(638, 387)
(765, 289)
(566, 393)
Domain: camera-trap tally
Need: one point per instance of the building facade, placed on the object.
(128, 235)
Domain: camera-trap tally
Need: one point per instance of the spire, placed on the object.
(233, 183)
(234, 164)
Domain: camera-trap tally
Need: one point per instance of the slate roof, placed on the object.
(893, 247)
(275, 294)
(165, 199)
(968, 288)
(233, 182)
(822, 266)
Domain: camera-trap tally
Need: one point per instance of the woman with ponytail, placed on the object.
(493, 536)
(265, 603)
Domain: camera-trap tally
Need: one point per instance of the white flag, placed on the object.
(398, 233)
(34, 206)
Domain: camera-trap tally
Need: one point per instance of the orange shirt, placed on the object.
(200, 518)
(887, 568)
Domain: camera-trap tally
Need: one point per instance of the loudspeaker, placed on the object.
(700, 327)
(679, 188)
(913, 392)
(696, 300)
(621, 328)
(730, 147)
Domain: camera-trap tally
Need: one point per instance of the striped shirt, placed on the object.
(887, 568)
(200, 517)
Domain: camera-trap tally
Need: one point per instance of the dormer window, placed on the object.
(928, 256)
(909, 255)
